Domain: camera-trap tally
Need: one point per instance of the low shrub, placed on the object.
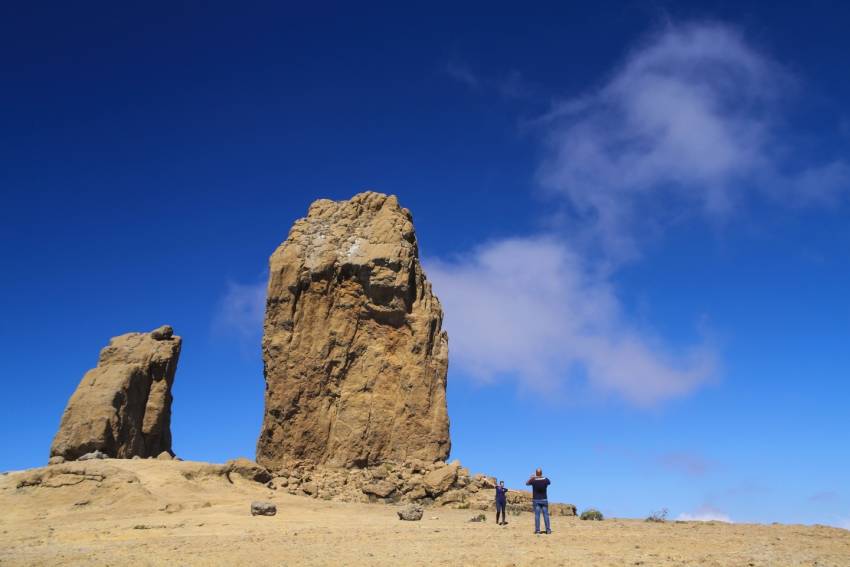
(659, 516)
(592, 514)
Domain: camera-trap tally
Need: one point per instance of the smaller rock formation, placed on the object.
(263, 509)
(122, 408)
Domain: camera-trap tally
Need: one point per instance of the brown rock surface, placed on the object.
(355, 357)
(123, 406)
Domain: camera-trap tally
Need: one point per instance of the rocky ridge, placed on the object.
(427, 484)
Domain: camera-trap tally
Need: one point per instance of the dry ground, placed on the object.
(142, 512)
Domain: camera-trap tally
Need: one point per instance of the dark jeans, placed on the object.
(541, 506)
(500, 507)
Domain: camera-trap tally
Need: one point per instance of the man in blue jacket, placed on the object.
(539, 499)
(501, 502)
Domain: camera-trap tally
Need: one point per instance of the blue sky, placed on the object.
(635, 216)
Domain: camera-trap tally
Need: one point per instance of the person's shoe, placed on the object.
(548, 531)
(536, 533)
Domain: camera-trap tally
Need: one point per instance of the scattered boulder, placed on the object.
(417, 493)
(248, 469)
(381, 488)
(263, 508)
(165, 456)
(355, 358)
(478, 518)
(411, 513)
(123, 406)
(56, 460)
(441, 479)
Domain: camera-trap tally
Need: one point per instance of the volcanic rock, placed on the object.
(411, 513)
(263, 508)
(380, 488)
(441, 479)
(123, 406)
(354, 354)
(248, 469)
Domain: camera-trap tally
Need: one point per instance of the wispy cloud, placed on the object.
(705, 513)
(239, 313)
(462, 74)
(689, 464)
(529, 309)
(688, 125)
(510, 86)
(824, 496)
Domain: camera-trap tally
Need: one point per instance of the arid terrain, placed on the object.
(150, 512)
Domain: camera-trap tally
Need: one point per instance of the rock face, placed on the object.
(123, 406)
(354, 354)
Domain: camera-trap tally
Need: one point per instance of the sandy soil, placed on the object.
(181, 513)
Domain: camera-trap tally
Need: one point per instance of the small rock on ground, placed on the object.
(263, 509)
(411, 513)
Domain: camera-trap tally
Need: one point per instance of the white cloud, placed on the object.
(705, 513)
(240, 312)
(688, 125)
(529, 309)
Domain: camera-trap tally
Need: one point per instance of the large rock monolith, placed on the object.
(355, 358)
(123, 406)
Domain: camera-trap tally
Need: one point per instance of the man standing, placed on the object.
(501, 502)
(538, 484)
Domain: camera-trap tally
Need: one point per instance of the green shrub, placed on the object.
(659, 516)
(592, 514)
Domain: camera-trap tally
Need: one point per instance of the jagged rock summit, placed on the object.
(355, 358)
(123, 406)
